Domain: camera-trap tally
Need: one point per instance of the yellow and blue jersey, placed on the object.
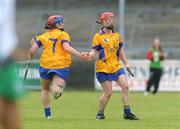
(108, 47)
(53, 55)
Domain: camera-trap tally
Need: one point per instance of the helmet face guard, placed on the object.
(55, 21)
(110, 19)
(107, 19)
(58, 21)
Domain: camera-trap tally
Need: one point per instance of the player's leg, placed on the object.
(13, 118)
(157, 78)
(9, 115)
(2, 113)
(123, 83)
(149, 85)
(45, 97)
(107, 92)
(45, 88)
(57, 86)
(150, 82)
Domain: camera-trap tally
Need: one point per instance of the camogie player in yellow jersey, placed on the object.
(109, 46)
(55, 59)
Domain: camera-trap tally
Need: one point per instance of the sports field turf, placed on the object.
(77, 110)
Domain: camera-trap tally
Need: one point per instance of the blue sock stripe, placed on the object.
(47, 111)
(127, 110)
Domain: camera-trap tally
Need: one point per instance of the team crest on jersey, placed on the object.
(106, 40)
(117, 39)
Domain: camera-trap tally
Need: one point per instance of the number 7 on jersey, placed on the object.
(54, 44)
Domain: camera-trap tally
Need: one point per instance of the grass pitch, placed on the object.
(77, 110)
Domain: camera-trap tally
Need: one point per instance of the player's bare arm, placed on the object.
(33, 49)
(88, 55)
(71, 50)
(124, 59)
(92, 53)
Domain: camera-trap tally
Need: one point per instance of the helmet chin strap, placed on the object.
(111, 27)
(60, 27)
(48, 27)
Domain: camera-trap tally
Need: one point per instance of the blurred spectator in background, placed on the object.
(155, 55)
(11, 87)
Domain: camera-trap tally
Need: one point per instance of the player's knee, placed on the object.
(57, 88)
(109, 94)
(126, 87)
(44, 93)
(45, 88)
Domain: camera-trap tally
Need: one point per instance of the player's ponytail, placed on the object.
(47, 27)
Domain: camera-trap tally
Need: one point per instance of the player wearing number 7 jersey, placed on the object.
(55, 59)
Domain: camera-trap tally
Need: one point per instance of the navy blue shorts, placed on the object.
(48, 73)
(101, 76)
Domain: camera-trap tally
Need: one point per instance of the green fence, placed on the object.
(81, 75)
(32, 80)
